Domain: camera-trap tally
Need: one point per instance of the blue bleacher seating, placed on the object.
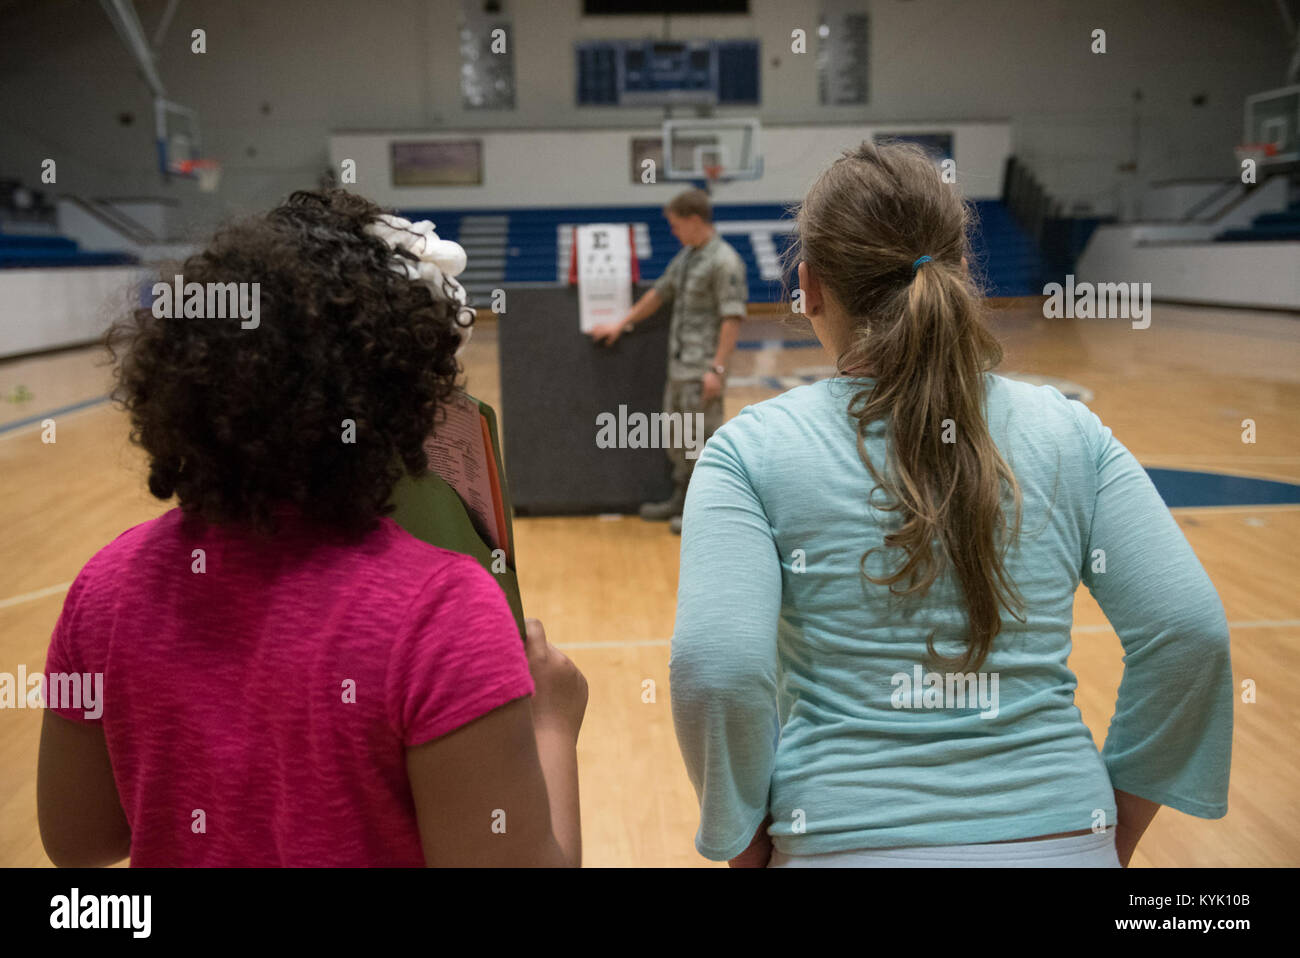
(23, 251)
(1007, 257)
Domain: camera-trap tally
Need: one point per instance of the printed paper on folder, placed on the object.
(462, 503)
(457, 453)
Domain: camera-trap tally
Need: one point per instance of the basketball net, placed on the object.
(712, 174)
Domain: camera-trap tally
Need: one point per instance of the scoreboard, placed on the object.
(666, 72)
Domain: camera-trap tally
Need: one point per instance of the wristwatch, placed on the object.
(718, 368)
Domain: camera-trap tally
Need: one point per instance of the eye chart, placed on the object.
(604, 273)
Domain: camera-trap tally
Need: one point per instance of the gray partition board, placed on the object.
(555, 383)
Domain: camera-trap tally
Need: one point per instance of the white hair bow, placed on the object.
(438, 262)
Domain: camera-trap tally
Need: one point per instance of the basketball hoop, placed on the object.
(712, 176)
(1261, 153)
(206, 172)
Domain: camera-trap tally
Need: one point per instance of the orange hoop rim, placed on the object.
(206, 172)
(193, 166)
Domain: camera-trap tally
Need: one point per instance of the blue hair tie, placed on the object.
(917, 264)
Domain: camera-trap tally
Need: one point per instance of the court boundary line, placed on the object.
(8, 429)
(34, 595)
(1233, 458)
(1262, 507)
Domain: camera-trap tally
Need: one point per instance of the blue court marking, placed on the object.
(52, 413)
(1181, 488)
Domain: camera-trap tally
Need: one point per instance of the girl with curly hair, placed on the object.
(288, 677)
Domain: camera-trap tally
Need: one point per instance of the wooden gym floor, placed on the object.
(1175, 394)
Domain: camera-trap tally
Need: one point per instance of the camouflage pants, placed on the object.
(683, 396)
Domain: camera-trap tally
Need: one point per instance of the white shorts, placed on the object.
(1096, 850)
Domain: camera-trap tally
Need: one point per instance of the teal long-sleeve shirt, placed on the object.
(794, 687)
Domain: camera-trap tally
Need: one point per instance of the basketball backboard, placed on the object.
(180, 148)
(713, 148)
(1273, 118)
(176, 131)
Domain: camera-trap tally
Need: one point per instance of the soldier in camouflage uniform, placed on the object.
(705, 283)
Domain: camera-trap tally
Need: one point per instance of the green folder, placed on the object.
(432, 511)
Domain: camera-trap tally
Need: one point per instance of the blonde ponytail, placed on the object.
(865, 229)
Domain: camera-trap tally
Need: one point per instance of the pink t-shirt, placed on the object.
(257, 713)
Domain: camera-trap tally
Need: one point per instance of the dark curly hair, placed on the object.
(239, 422)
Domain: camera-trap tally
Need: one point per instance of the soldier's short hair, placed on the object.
(691, 203)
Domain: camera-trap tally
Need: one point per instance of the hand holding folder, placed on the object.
(463, 502)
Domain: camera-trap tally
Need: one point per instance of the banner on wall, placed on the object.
(603, 264)
(843, 70)
(487, 56)
(436, 163)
